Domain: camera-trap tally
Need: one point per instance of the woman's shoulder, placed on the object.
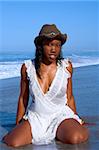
(67, 63)
(28, 67)
(23, 71)
(28, 63)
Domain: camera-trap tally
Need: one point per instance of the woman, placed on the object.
(52, 113)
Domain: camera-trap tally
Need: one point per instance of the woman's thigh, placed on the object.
(20, 135)
(70, 131)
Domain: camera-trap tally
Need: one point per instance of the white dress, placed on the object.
(48, 110)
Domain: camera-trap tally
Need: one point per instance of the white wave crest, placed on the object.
(12, 69)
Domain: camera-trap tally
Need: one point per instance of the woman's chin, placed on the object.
(52, 59)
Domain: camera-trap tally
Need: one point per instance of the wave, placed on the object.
(80, 61)
(10, 69)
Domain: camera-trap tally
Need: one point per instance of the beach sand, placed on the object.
(86, 93)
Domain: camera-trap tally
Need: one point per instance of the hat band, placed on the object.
(50, 34)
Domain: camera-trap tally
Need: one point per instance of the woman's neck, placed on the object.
(47, 63)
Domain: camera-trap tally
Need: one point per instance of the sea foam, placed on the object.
(10, 69)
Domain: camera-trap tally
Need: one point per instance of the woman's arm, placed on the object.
(70, 97)
(24, 95)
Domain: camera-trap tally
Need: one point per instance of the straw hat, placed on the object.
(50, 32)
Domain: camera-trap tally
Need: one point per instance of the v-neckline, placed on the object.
(52, 83)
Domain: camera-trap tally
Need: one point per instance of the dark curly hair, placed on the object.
(39, 56)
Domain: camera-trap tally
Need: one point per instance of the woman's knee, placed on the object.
(11, 141)
(20, 135)
(79, 137)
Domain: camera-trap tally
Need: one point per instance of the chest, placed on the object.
(52, 86)
(46, 80)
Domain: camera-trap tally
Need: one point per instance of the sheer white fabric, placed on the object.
(48, 110)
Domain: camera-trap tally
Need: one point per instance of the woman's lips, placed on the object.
(52, 56)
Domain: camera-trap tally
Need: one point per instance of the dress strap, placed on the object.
(29, 68)
(65, 65)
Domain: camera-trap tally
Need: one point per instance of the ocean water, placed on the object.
(10, 62)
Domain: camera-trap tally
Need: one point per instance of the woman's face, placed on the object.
(51, 50)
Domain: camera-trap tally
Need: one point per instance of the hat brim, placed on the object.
(62, 37)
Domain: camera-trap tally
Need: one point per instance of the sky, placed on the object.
(21, 21)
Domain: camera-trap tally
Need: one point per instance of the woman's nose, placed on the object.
(53, 48)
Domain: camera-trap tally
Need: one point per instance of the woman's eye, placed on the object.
(55, 45)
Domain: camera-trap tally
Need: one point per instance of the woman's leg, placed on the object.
(20, 135)
(71, 132)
